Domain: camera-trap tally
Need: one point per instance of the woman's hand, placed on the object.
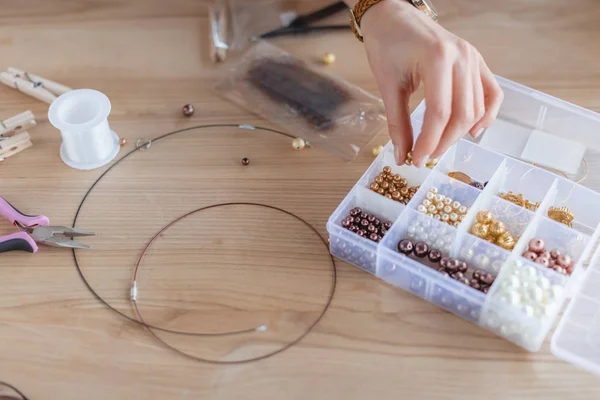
(405, 48)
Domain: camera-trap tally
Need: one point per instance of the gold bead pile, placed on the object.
(519, 200)
(393, 186)
(442, 208)
(562, 215)
(493, 231)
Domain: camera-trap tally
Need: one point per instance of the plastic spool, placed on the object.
(81, 117)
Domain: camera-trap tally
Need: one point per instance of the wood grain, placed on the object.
(241, 267)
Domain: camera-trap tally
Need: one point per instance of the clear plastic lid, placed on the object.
(577, 336)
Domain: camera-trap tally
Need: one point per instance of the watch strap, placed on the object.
(357, 13)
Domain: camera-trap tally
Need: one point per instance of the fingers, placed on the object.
(398, 115)
(438, 98)
(478, 98)
(463, 114)
(493, 97)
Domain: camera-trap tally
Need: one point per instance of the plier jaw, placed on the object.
(58, 236)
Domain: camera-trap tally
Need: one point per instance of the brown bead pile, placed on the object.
(365, 225)
(493, 231)
(393, 186)
(456, 269)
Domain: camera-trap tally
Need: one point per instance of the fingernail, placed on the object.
(397, 155)
(479, 132)
(422, 161)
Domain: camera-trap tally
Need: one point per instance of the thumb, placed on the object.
(396, 102)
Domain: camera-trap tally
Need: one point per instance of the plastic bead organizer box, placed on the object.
(526, 298)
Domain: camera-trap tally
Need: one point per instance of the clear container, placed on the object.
(526, 298)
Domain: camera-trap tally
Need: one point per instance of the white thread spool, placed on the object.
(81, 117)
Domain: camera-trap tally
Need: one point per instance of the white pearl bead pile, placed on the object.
(525, 287)
(437, 236)
(442, 208)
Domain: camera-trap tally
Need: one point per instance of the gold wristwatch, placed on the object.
(362, 6)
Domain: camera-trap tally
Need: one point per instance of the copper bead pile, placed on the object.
(493, 231)
(456, 269)
(443, 208)
(393, 186)
(366, 225)
(554, 259)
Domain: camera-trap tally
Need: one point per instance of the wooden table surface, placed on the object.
(239, 267)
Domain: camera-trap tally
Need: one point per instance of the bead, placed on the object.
(387, 169)
(455, 205)
(480, 230)
(379, 180)
(374, 186)
(439, 198)
(245, 161)
(564, 260)
(485, 289)
(433, 190)
(434, 256)
(543, 261)
(364, 222)
(448, 209)
(462, 210)
(362, 233)
(444, 262)
(298, 143)
(555, 254)
(452, 265)
(484, 217)
(328, 58)
(530, 255)
(536, 245)
(456, 224)
(381, 191)
(475, 284)
(453, 217)
(445, 217)
(421, 249)
(188, 110)
(385, 185)
(431, 209)
(377, 150)
(426, 202)
(405, 246)
(497, 228)
(374, 237)
(355, 211)
(372, 228)
(429, 196)
(436, 216)
(388, 196)
(422, 209)
(448, 202)
(481, 260)
(122, 142)
(440, 206)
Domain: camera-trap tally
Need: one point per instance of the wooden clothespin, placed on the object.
(9, 146)
(33, 85)
(13, 135)
(9, 127)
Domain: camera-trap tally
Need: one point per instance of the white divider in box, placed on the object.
(414, 176)
(524, 302)
(419, 276)
(477, 162)
(522, 178)
(349, 246)
(582, 202)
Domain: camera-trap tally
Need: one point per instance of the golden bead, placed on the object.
(387, 170)
(328, 58)
(379, 180)
(396, 195)
(385, 185)
(480, 230)
(485, 217)
(506, 241)
(377, 150)
(431, 163)
(381, 191)
(497, 228)
(298, 143)
(389, 196)
(404, 191)
(123, 142)
(403, 182)
(374, 186)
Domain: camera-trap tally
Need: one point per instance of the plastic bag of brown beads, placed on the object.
(300, 98)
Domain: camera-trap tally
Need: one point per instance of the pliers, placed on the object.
(36, 229)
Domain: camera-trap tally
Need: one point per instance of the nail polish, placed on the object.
(479, 132)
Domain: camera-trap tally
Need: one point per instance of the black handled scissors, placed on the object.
(301, 24)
